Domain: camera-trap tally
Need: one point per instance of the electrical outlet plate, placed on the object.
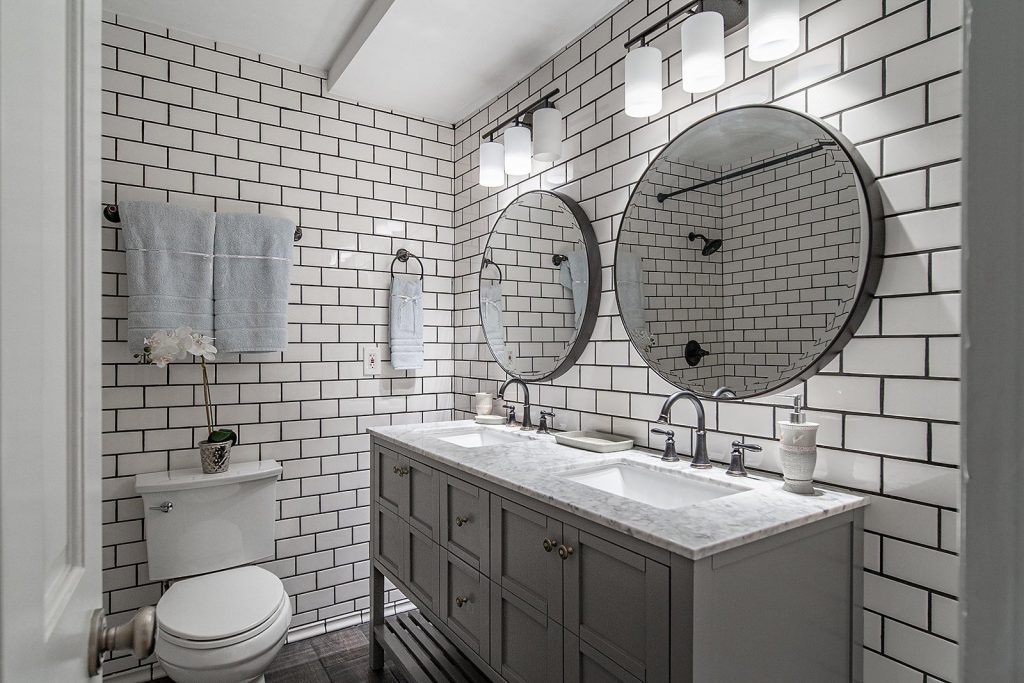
(371, 360)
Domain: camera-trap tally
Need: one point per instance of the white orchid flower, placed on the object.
(201, 345)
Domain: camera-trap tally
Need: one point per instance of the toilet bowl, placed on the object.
(224, 627)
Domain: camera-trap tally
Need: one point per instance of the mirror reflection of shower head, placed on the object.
(710, 246)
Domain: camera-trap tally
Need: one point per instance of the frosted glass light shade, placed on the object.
(703, 52)
(492, 164)
(774, 29)
(547, 134)
(518, 150)
(643, 81)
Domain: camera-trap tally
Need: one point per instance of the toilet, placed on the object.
(221, 620)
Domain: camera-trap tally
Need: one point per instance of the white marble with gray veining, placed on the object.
(530, 466)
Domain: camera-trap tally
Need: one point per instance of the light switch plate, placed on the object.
(371, 360)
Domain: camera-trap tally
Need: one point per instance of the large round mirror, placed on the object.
(540, 285)
(749, 252)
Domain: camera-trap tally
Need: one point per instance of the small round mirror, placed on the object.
(748, 252)
(540, 285)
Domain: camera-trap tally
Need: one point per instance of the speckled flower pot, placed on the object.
(215, 457)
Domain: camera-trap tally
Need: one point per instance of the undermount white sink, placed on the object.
(659, 488)
(477, 438)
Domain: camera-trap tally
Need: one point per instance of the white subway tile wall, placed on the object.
(887, 73)
(191, 122)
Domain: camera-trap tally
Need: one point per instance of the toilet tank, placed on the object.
(213, 521)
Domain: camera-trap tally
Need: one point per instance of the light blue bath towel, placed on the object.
(406, 322)
(169, 261)
(252, 265)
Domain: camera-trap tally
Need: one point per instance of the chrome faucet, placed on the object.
(700, 451)
(527, 422)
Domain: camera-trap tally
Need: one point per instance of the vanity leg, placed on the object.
(376, 617)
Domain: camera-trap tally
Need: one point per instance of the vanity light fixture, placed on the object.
(547, 133)
(518, 150)
(492, 163)
(774, 29)
(521, 146)
(643, 81)
(703, 52)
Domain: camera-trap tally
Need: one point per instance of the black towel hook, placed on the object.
(404, 255)
(111, 213)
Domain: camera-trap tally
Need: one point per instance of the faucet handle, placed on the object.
(748, 446)
(510, 419)
(670, 454)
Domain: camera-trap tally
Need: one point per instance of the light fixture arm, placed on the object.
(689, 8)
(543, 101)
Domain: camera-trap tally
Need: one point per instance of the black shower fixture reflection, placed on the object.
(710, 246)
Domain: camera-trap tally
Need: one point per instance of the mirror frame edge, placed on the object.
(586, 329)
(866, 287)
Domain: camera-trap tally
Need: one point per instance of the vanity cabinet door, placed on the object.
(526, 645)
(523, 557)
(421, 570)
(465, 603)
(465, 522)
(389, 540)
(585, 664)
(389, 482)
(616, 602)
(421, 498)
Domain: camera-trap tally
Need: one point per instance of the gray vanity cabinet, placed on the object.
(534, 594)
(617, 602)
(524, 560)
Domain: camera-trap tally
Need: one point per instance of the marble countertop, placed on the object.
(531, 466)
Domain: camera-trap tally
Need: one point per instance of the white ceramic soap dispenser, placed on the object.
(798, 450)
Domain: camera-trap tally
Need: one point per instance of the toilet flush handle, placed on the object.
(165, 506)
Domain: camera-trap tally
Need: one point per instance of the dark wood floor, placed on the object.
(337, 657)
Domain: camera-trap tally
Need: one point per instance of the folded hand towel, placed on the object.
(252, 264)
(574, 275)
(491, 314)
(406, 328)
(169, 268)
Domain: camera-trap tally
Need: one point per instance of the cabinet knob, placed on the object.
(549, 544)
(460, 601)
(396, 469)
(401, 471)
(564, 551)
(459, 521)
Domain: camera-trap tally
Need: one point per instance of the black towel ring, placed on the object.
(404, 255)
(111, 213)
(488, 262)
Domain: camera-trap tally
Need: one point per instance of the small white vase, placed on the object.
(484, 403)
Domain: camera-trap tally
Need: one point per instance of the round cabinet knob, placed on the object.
(459, 521)
(460, 601)
(549, 544)
(564, 551)
(396, 469)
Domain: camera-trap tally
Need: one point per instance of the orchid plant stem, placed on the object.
(206, 395)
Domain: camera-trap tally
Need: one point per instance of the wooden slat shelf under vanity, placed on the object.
(423, 653)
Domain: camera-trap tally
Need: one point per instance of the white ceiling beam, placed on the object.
(354, 41)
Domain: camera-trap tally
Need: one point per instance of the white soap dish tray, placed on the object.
(598, 442)
(490, 419)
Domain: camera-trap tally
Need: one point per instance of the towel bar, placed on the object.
(111, 213)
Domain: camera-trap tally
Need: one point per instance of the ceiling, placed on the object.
(441, 59)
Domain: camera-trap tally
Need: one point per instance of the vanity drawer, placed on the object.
(421, 500)
(421, 570)
(465, 603)
(523, 557)
(526, 644)
(388, 479)
(586, 664)
(465, 522)
(389, 540)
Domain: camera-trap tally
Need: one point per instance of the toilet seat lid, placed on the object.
(220, 605)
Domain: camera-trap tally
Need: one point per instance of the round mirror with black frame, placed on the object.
(749, 252)
(540, 285)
